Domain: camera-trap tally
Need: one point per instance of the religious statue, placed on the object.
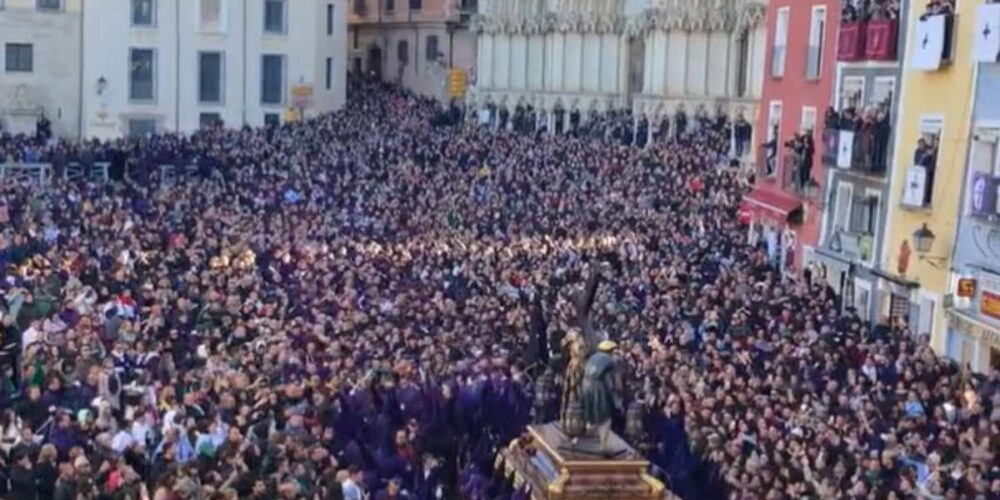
(591, 381)
(576, 357)
(600, 391)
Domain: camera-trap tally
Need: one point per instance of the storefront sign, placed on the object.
(302, 96)
(989, 304)
(966, 288)
(974, 329)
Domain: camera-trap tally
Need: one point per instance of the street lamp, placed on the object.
(923, 241)
(102, 84)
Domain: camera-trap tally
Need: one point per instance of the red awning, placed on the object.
(777, 207)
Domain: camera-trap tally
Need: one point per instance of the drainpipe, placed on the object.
(177, 68)
(244, 28)
(80, 119)
(451, 45)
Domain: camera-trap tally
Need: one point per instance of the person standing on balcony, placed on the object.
(926, 156)
(771, 152)
(882, 131)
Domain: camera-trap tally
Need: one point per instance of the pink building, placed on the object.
(786, 201)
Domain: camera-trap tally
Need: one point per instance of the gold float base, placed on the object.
(553, 467)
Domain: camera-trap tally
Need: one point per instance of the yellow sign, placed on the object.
(292, 115)
(301, 95)
(457, 81)
(989, 304)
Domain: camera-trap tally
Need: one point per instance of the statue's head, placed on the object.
(572, 335)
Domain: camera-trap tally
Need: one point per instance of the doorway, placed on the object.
(375, 61)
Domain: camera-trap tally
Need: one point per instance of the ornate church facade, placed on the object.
(656, 58)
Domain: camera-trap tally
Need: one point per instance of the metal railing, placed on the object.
(867, 156)
(41, 174)
(792, 177)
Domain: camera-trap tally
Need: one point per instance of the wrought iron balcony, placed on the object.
(872, 40)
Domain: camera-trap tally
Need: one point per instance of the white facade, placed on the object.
(414, 44)
(179, 33)
(653, 56)
(52, 85)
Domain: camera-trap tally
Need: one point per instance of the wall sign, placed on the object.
(966, 288)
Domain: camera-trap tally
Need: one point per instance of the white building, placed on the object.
(107, 68)
(412, 42)
(653, 56)
(166, 65)
(40, 65)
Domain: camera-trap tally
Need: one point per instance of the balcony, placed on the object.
(918, 188)
(853, 245)
(873, 40)
(880, 40)
(851, 43)
(795, 179)
(863, 151)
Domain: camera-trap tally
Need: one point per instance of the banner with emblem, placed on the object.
(928, 43)
(982, 195)
(845, 149)
(987, 33)
(916, 181)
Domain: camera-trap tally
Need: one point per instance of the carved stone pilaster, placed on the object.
(750, 15)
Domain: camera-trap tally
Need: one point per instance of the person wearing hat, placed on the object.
(22, 478)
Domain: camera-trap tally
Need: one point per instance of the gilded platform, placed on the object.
(551, 468)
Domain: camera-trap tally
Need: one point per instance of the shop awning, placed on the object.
(895, 279)
(777, 207)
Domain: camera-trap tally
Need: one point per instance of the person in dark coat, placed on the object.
(22, 479)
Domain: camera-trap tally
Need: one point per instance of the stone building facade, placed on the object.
(653, 57)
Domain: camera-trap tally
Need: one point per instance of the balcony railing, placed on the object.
(767, 167)
(865, 153)
(791, 176)
(880, 40)
(873, 40)
(851, 43)
(796, 178)
(854, 245)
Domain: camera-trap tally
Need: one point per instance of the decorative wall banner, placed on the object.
(987, 33)
(929, 42)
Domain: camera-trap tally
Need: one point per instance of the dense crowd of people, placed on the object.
(355, 306)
